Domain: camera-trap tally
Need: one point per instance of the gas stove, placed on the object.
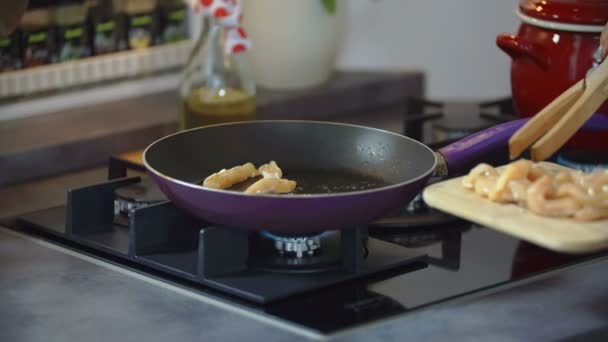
(414, 258)
(257, 267)
(323, 283)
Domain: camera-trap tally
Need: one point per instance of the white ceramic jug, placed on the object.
(294, 42)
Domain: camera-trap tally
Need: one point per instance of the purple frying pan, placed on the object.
(347, 175)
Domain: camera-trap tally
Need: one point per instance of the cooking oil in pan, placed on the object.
(332, 181)
(204, 106)
(318, 181)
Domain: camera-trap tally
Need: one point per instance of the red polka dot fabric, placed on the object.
(228, 13)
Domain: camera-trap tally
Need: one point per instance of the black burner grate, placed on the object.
(237, 262)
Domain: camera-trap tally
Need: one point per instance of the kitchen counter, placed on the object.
(53, 294)
(49, 293)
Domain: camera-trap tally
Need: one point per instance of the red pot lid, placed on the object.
(581, 12)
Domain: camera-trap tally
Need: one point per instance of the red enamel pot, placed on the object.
(556, 44)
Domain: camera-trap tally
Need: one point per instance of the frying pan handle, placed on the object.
(461, 155)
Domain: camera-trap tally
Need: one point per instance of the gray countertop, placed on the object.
(52, 294)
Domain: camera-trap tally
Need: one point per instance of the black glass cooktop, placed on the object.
(412, 260)
(466, 261)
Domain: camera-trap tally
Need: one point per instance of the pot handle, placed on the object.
(517, 47)
(461, 155)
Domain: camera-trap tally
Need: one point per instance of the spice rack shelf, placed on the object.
(93, 70)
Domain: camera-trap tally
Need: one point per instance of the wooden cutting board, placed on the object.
(562, 235)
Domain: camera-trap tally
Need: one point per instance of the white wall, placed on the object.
(452, 40)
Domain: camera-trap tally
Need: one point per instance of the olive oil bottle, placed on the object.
(205, 106)
(216, 85)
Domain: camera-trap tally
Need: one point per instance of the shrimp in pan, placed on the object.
(227, 178)
(270, 170)
(271, 186)
(270, 183)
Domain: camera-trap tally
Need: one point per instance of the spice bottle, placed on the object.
(142, 23)
(37, 37)
(72, 33)
(10, 52)
(173, 20)
(107, 27)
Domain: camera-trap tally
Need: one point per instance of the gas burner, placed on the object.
(417, 214)
(134, 196)
(449, 121)
(417, 205)
(456, 125)
(300, 253)
(295, 245)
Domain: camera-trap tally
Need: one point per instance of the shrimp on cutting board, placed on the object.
(479, 171)
(516, 171)
(543, 188)
(540, 200)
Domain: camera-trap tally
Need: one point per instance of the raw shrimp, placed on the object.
(539, 170)
(481, 170)
(597, 184)
(574, 191)
(514, 172)
(519, 189)
(591, 213)
(539, 200)
(545, 189)
(484, 185)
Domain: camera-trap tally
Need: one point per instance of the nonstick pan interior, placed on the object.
(347, 175)
(323, 158)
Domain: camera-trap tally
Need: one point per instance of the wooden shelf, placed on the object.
(93, 70)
